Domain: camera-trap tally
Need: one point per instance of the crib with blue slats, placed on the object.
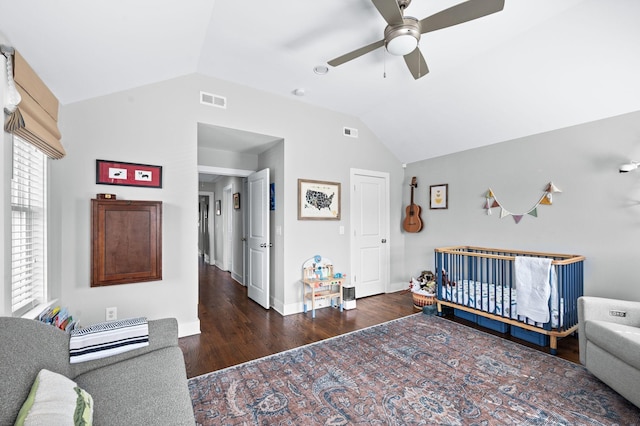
(479, 284)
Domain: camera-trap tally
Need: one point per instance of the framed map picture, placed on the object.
(318, 200)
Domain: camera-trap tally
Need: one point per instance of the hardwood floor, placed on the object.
(235, 329)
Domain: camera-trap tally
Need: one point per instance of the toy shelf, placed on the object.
(319, 282)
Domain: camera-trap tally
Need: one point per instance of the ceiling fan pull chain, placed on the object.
(384, 62)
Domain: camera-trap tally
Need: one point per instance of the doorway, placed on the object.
(226, 226)
(235, 154)
(227, 230)
(206, 235)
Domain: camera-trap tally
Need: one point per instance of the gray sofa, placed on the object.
(609, 338)
(145, 386)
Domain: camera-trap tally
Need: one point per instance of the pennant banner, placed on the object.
(552, 188)
(547, 199)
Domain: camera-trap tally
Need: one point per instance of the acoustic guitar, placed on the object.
(412, 222)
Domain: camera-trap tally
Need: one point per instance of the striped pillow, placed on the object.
(107, 339)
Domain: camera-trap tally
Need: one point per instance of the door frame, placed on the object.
(227, 228)
(210, 219)
(225, 171)
(352, 214)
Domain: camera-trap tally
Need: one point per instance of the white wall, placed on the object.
(157, 124)
(143, 125)
(226, 159)
(315, 149)
(597, 214)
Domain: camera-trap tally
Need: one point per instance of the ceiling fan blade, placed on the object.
(389, 10)
(416, 63)
(355, 54)
(460, 13)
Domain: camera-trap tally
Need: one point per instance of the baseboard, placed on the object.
(277, 306)
(188, 328)
(292, 308)
(237, 277)
(397, 286)
(296, 308)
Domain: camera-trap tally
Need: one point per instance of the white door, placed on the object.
(370, 223)
(258, 241)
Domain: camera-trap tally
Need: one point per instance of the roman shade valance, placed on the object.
(36, 117)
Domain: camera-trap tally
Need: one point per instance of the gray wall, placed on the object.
(144, 125)
(157, 124)
(597, 214)
(226, 159)
(315, 149)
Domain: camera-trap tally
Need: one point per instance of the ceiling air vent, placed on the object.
(213, 100)
(349, 132)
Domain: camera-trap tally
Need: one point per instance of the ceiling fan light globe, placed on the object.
(402, 44)
(402, 39)
(626, 168)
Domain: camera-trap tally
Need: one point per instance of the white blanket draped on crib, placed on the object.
(532, 282)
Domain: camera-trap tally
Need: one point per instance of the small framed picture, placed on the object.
(128, 174)
(236, 200)
(218, 207)
(439, 196)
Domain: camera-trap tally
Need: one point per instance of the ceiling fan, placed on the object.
(402, 35)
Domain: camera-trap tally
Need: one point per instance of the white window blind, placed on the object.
(28, 227)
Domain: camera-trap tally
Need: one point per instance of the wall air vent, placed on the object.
(213, 100)
(349, 132)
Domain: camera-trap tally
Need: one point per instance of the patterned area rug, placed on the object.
(416, 370)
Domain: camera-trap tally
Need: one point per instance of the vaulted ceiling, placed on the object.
(536, 66)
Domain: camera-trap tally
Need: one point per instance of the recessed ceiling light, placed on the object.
(321, 69)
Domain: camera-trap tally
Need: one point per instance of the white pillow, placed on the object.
(55, 400)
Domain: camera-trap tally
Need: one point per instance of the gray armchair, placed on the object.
(609, 338)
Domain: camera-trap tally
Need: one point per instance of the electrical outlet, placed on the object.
(111, 314)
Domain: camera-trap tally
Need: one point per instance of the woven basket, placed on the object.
(421, 300)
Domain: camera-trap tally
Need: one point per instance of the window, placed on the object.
(28, 227)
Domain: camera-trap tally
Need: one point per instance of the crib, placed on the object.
(479, 284)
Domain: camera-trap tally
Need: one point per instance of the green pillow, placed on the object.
(56, 400)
